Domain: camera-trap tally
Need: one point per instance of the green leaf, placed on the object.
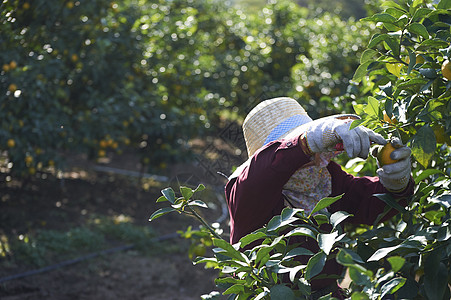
(359, 296)
(420, 14)
(326, 241)
(361, 71)
(298, 251)
(357, 123)
(359, 277)
(186, 192)
(409, 83)
(162, 199)
(199, 188)
(325, 202)
(358, 108)
(274, 223)
(229, 250)
(337, 217)
(412, 61)
(419, 29)
(393, 4)
(169, 194)
(381, 17)
(444, 4)
(315, 265)
(295, 270)
(388, 199)
(348, 258)
(281, 292)
(321, 219)
(263, 253)
(432, 43)
(160, 212)
(234, 289)
(396, 263)
(199, 203)
(425, 174)
(423, 145)
(392, 286)
(435, 276)
(372, 108)
(251, 237)
(378, 38)
(301, 231)
(368, 55)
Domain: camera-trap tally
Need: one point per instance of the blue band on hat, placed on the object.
(285, 126)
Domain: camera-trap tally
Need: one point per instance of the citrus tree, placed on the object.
(404, 75)
(101, 77)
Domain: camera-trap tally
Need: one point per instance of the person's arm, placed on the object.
(359, 199)
(255, 195)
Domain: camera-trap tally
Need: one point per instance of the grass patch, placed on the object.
(44, 247)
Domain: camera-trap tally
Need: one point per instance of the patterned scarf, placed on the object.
(310, 183)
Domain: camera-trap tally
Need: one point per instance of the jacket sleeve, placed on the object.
(255, 195)
(358, 195)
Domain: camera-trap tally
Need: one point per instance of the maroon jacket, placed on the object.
(255, 195)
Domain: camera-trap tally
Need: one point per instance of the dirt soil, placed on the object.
(66, 200)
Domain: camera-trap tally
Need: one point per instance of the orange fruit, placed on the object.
(12, 65)
(383, 155)
(103, 144)
(418, 60)
(12, 88)
(6, 67)
(70, 4)
(28, 159)
(102, 153)
(26, 5)
(446, 69)
(11, 143)
(74, 57)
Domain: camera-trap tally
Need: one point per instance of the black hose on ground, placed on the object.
(81, 258)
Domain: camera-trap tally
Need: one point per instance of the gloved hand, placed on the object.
(323, 135)
(395, 177)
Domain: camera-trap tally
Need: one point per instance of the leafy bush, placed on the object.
(100, 77)
(407, 256)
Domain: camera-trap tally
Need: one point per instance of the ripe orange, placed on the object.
(6, 67)
(26, 5)
(103, 144)
(102, 153)
(418, 60)
(70, 4)
(12, 65)
(383, 155)
(28, 159)
(11, 143)
(12, 88)
(446, 69)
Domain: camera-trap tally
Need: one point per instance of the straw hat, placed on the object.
(270, 120)
(275, 119)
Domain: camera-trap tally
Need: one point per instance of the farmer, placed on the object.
(289, 165)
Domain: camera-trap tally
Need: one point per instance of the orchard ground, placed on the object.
(79, 199)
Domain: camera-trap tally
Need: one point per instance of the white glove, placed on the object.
(395, 177)
(323, 135)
